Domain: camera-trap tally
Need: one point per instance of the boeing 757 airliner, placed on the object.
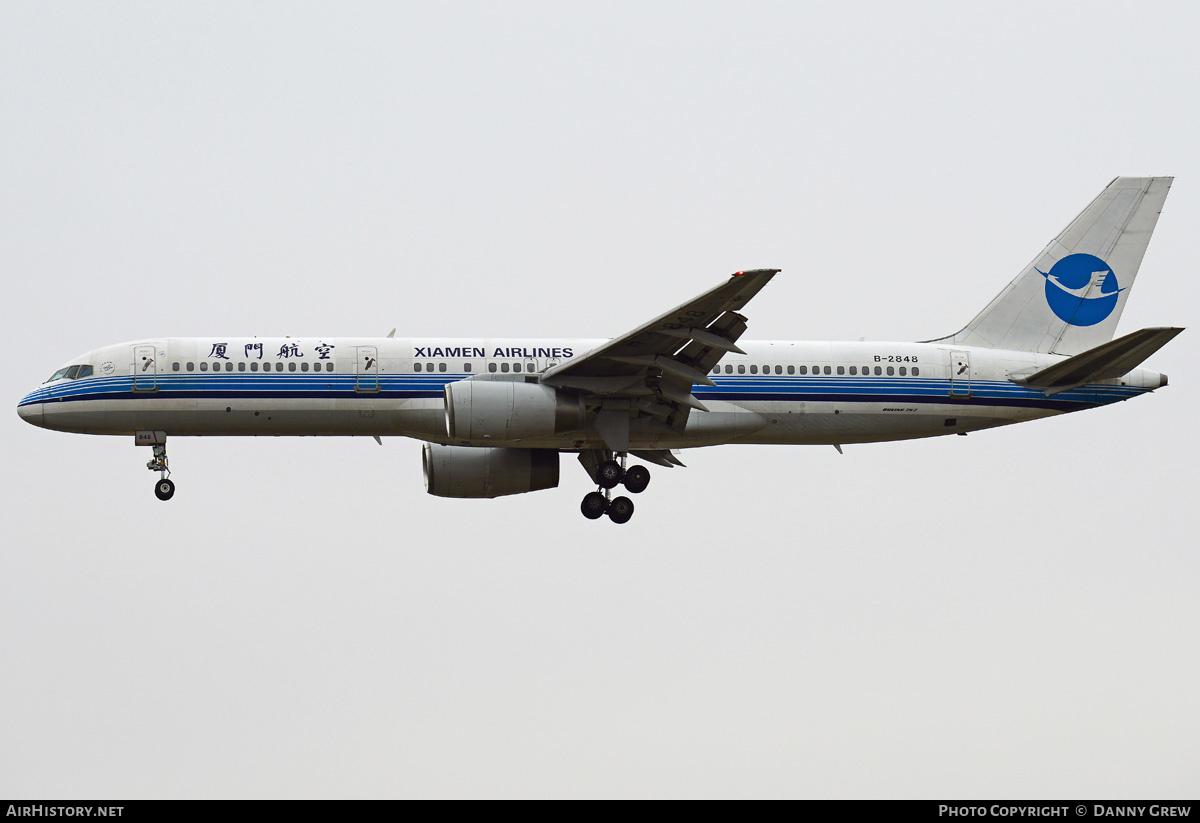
(495, 415)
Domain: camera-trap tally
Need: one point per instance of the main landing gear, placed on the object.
(608, 475)
(164, 489)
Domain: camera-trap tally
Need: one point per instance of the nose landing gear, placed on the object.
(164, 489)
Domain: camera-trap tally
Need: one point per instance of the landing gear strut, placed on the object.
(609, 474)
(164, 489)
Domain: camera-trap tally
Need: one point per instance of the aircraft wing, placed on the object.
(655, 365)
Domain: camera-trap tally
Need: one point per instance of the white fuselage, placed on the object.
(783, 392)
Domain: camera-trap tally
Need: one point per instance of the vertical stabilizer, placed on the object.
(1069, 299)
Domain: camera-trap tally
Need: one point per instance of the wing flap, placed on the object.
(659, 457)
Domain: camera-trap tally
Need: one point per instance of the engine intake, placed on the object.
(469, 471)
(503, 410)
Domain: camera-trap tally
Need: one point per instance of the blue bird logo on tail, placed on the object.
(1081, 289)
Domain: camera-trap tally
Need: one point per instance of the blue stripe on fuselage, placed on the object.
(777, 389)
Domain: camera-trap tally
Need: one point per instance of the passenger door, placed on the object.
(960, 374)
(366, 370)
(145, 368)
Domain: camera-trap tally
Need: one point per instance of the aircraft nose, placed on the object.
(31, 413)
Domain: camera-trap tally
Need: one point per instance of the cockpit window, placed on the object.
(71, 373)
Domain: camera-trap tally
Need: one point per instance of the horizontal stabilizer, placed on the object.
(1107, 361)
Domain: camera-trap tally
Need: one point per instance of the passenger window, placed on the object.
(174, 367)
(903, 371)
(203, 366)
(278, 367)
(504, 368)
(228, 367)
(416, 366)
(804, 369)
(253, 365)
(729, 369)
(878, 371)
(916, 371)
(754, 369)
(241, 366)
(292, 366)
(441, 366)
(329, 366)
(191, 366)
(791, 369)
(779, 369)
(828, 370)
(467, 368)
(841, 369)
(491, 367)
(304, 366)
(853, 370)
(741, 369)
(890, 371)
(516, 366)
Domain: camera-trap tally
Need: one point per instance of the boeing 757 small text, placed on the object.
(496, 415)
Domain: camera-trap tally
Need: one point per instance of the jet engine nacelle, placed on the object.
(479, 411)
(470, 471)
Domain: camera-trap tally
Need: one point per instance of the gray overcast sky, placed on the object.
(1010, 614)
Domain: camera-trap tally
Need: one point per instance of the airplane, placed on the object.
(495, 415)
